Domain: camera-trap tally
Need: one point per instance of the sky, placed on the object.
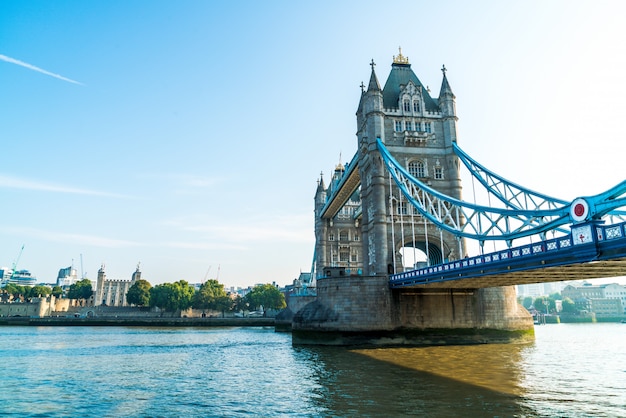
(189, 136)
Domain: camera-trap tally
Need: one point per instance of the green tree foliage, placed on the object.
(80, 290)
(139, 293)
(528, 302)
(40, 290)
(17, 290)
(210, 296)
(555, 296)
(172, 296)
(543, 303)
(57, 291)
(266, 295)
(569, 306)
(240, 304)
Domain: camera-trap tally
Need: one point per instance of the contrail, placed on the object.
(32, 67)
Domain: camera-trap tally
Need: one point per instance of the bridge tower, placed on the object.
(419, 131)
(361, 232)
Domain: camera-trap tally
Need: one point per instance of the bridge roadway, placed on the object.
(591, 251)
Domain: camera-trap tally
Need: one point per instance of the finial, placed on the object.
(373, 64)
(362, 87)
(444, 69)
(138, 264)
(400, 59)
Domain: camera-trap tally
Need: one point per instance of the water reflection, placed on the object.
(481, 380)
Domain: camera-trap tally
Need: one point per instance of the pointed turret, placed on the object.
(373, 85)
(445, 91)
(446, 97)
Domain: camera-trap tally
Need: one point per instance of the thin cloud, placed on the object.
(69, 238)
(34, 68)
(17, 183)
(294, 229)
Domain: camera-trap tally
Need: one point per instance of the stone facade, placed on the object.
(365, 236)
(40, 307)
(112, 292)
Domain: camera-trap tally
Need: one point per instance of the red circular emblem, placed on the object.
(579, 209)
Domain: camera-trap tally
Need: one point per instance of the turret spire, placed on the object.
(445, 86)
(373, 85)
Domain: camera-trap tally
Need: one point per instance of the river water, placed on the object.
(571, 370)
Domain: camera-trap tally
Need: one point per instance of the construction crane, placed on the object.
(207, 274)
(17, 260)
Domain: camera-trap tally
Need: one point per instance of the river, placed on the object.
(571, 370)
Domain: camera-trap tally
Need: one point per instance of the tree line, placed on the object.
(547, 304)
(170, 297)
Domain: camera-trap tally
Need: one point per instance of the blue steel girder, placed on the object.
(509, 193)
(349, 182)
(485, 223)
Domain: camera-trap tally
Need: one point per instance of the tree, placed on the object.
(223, 304)
(80, 290)
(40, 290)
(210, 296)
(528, 302)
(139, 293)
(266, 295)
(569, 306)
(16, 290)
(57, 291)
(544, 304)
(172, 296)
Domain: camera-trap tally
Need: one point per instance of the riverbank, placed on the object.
(140, 322)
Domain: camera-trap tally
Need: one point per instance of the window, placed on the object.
(418, 126)
(398, 126)
(331, 237)
(401, 208)
(343, 236)
(344, 256)
(427, 126)
(354, 258)
(416, 169)
(438, 173)
(416, 106)
(407, 105)
(408, 125)
(356, 237)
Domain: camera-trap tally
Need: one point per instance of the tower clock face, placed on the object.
(582, 235)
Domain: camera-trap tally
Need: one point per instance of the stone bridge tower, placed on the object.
(419, 131)
(355, 232)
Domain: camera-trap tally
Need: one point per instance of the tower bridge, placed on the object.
(402, 189)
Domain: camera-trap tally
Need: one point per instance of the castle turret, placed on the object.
(136, 275)
(99, 296)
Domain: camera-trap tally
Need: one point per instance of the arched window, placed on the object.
(407, 105)
(343, 235)
(416, 105)
(416, 169)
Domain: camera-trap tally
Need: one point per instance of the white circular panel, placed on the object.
(579, 210)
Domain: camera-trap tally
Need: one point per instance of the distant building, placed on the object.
(67, 276)
(112, 292)
(603, 299)
(539, 289)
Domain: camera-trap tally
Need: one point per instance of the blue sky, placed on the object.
(190, 135)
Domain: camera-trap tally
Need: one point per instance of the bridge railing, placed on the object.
(556, 251)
